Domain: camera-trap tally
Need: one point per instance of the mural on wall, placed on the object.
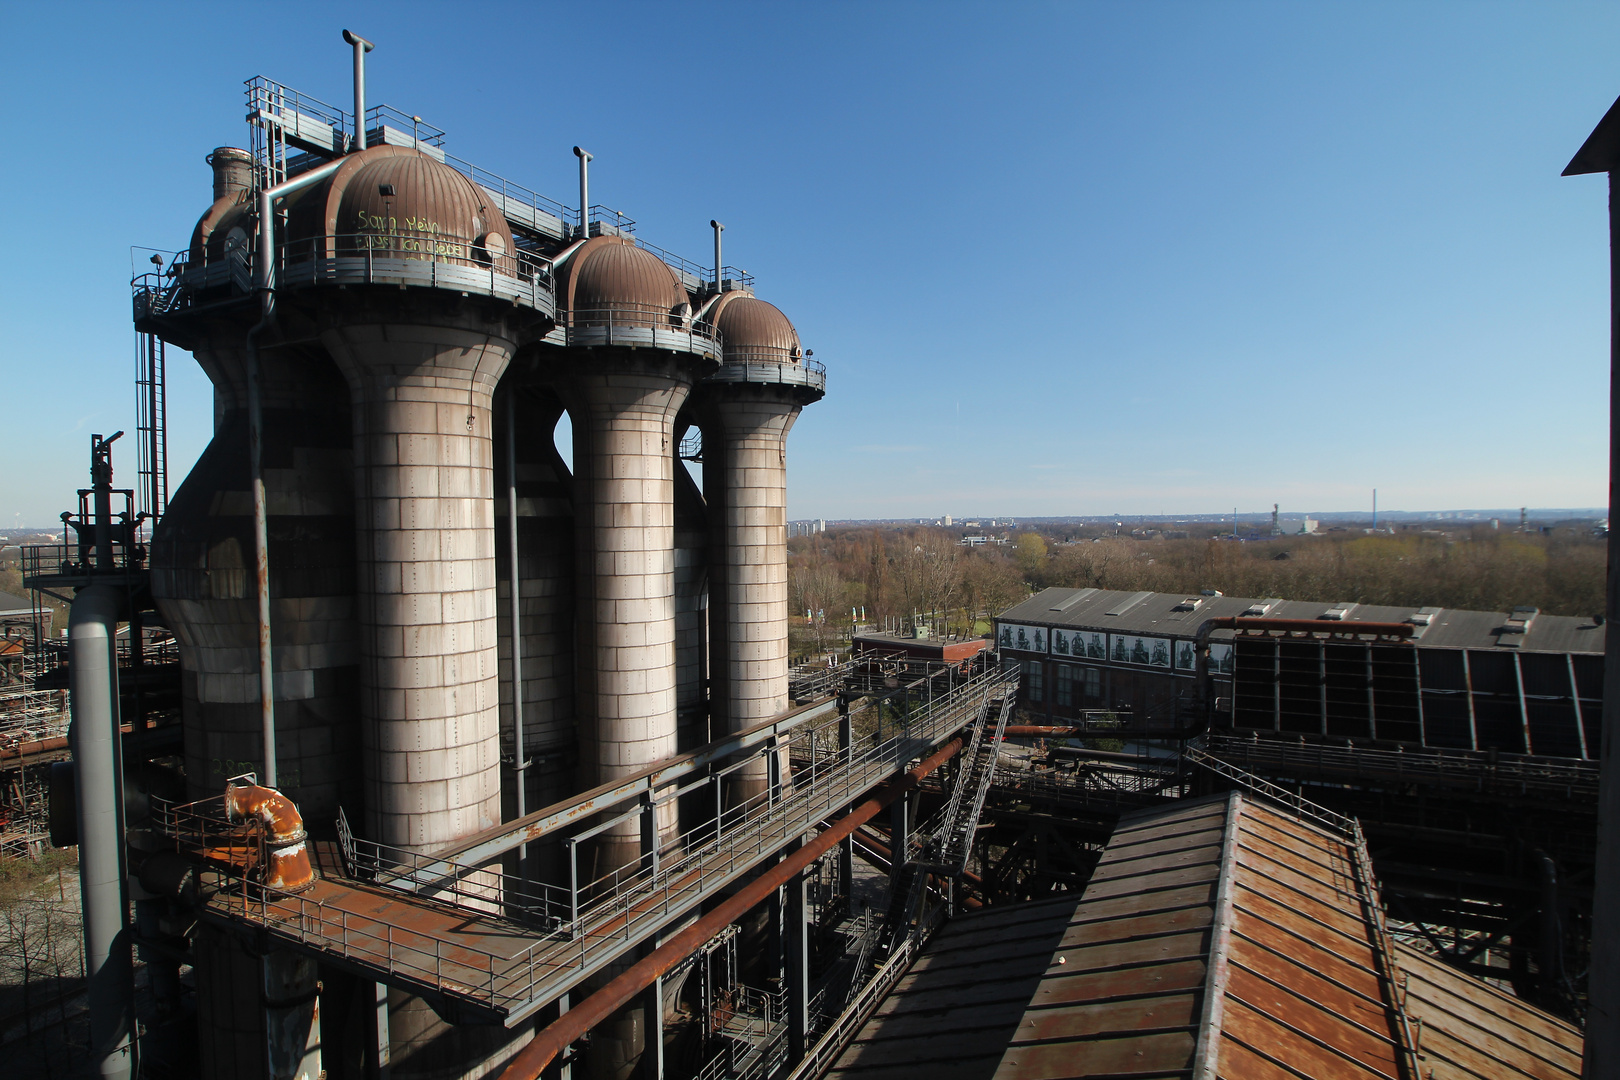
(1096, 645)
(1060, 642)
(1220, 658)
(1022, 638)
(1146, 651)
(1186, 656)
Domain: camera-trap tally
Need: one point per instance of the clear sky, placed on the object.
(1059, 258)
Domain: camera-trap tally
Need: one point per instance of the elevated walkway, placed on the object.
(491, 947)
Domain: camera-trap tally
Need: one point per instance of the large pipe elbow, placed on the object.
(288, 868)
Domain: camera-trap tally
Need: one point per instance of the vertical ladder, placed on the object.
(151, 424)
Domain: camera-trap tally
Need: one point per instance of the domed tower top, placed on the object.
(762, 346)
(398, 202)
(754, 330)
(611, 292)
(609, 273)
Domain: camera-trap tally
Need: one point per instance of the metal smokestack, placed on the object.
(718, 229)
(361, 47)
(584, 194)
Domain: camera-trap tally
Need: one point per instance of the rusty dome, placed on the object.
(398, 200)
(755, 330)
(609, 273)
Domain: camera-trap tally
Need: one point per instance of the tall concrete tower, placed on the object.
(748, 407)
(629, 356)
(203, 553)
(421, 366)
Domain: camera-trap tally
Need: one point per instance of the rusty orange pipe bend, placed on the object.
(289, 868)
(556, 1036)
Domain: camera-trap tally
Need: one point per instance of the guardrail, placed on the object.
(612, 914)
(639, 325)
(1468, 767)
(809, 373)
(1298, 804)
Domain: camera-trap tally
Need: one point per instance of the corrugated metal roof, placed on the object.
(1217, 932)
(1155, 614)
(1472, 1030)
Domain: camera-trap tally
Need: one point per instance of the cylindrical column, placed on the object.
(745, 482)
(623, 405)
(424, 491)
(93, 676)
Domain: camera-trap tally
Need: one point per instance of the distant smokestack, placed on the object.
(233, 171)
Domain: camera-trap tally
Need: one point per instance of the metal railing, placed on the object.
(423, 259)
(865, 1001)
(1298, 804)
(612, 914)
(811, 373)
(1561, 777)
(636, 324)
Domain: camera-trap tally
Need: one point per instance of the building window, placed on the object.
(1093, 685)
(1032, 680)
(1065, 685)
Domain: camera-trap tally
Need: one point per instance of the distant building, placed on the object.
(806, 528)
(1520, 683)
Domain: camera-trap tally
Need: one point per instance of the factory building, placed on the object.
(1520, 682)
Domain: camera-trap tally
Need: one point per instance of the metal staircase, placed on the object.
(961, 818)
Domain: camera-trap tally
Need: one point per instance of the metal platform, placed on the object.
(500, 949)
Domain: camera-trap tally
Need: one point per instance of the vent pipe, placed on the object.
(718, 229)
(584, 194)
(233, 171)
(361, 47)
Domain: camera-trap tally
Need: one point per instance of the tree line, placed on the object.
(895, 572)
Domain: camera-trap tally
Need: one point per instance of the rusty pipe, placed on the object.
(1023, 731)
(579, 1019)
(288, 868)
(1305, 626)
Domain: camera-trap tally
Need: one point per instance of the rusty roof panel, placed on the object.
(1471, 1029)
(1114, 983)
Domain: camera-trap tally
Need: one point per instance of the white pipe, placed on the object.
(718, 229)
(261, 524)
(584, 194)
(520, 763)
(103, 892)
(361, 47)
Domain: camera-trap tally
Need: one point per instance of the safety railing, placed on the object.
(866, 1000)
(1298, 804)
(617, 910)
(639, 325)
(428, 260)
(422, 132)
(1562, 777)
(810, 373)
(1383, 949)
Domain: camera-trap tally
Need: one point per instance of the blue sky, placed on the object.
(1060, 258)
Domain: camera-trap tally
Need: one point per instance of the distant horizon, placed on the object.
(1533, 513)
(1467, 514)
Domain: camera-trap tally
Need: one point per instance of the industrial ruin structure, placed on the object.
(473, 758)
